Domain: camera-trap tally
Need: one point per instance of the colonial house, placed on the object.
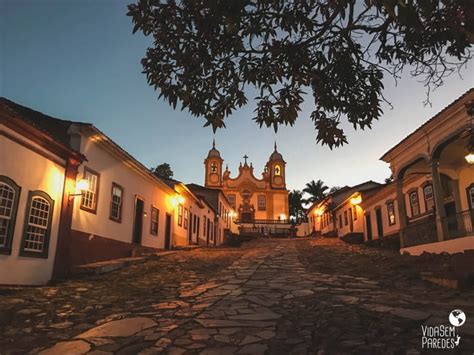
(434, 182)
(70, 195)
(224, 213)
(430, 204)
(37, 184)
(196, 217)
(324, 216)
(125, 208)
(349, 215)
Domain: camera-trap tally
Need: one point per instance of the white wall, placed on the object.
(357, 220)
(452, 246)
(31, 171)
(113, 169)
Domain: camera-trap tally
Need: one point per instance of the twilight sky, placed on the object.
(78, 60)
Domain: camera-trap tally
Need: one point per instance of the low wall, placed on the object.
(452, 246)
(85, 248)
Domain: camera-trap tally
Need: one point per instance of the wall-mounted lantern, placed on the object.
(82, 185)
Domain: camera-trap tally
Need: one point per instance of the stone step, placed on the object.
(103, 267)
(454, 281)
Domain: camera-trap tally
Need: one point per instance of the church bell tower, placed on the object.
(213, 164)
(276, 170)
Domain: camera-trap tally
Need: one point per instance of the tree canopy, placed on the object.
(163, 171)
(210, 55)
(316, 191)
(295, 202)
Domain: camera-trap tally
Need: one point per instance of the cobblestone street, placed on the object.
(270, 296)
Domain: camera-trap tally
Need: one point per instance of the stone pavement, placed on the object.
(268, 302)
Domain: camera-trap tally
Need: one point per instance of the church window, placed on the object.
(231, 199)
(277, 170)
(213, 167)
(246, 194)
(262, 202)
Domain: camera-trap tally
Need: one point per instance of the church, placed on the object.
(254, 200)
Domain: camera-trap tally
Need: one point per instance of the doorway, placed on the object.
(368, 224)
(190, 229)
(378, 216)
(138, 221)
(168, 231)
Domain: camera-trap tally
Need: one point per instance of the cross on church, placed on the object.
(246, 157)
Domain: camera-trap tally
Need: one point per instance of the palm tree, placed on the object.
(316, 191)
(295, 201)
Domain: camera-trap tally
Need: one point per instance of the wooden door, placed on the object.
(138, 221)
(168, 231)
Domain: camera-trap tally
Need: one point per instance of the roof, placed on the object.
(55, 127)
(170, 182)
(471, 90)
(58, 129)
(275, 156)
(344, 192)
(210, 195)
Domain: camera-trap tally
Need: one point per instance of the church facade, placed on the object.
(253, 199)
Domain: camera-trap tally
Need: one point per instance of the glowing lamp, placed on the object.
(283, 216)
(82, 185)
(181, 199)
(470, 157)
(319, 212)
(356, 200)
(470, 148)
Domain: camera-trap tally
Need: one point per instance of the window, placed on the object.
(9, 195)
(180, 215)
(429, 198)
(262, 202)
(277, 170)
(185, 218)
(414, 204)
(211, 228)
(354, 211)
(204, 226)
(155, 217)
(346, 220)
(470, 196)
(39, 212)
(116, 203)
(213, 167)
(231, 199)
(89, 197)
(246, 194)
(391, 213)
(340, 221)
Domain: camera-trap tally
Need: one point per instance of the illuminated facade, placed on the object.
(251, 198)
(429, 207)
